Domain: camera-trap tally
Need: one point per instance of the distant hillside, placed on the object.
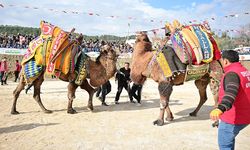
(29, 30)
(17, 29)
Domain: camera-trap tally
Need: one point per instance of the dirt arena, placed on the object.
(123, 126)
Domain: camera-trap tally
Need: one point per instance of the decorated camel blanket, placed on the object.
(161, 60)
(53, 52)
(193, 44)
(169, 62)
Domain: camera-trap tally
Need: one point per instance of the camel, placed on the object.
(100, 71)
(141, 68)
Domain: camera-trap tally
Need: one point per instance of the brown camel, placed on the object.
(140, 70)
(100, 71)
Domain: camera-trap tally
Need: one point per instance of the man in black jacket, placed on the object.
(123, 78)
(103, 90)
(136, 92)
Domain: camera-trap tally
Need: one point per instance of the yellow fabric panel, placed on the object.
(194, 43)
(58, 38)
(163, 64)
(56, 33)
(48, 50)
(177, 24)
(192, 35)
(39, 55)
(33, 46)
(66, 61)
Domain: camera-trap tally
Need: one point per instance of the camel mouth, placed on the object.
(143, 79)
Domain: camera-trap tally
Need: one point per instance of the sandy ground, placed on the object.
(123, 126)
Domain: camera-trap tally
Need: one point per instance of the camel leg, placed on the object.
(216, 99)
(214, 87)
(165, 90)
(37, 90)
(71, 95)
(16, 94)
(170, 116)
(202, 86)
(91, 92)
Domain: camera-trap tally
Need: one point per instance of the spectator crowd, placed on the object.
(22, 41)
(94, 46)
(15, 41)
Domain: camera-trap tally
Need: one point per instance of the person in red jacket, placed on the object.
(234, 100)
(17, 70)
(4, 71)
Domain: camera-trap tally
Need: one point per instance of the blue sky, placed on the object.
(143, 10)
(175, 4)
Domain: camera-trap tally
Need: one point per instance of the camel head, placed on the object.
(108, 52)
(141, 57)
(108, 59)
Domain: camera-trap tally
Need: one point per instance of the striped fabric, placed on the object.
(231, 87)
(205, 43)
(180, 47)
(81, 68)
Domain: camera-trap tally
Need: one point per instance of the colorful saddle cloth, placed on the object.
(53, 50)
(205, 44)
(163, 64)
(181, 48)
(169, 62)
(81, 69)
(194, 45)
(32, 70)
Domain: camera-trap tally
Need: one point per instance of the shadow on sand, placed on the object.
(22, 127)
(126, 106)
(203, 114)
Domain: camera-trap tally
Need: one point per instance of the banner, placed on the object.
(195, 72)
(12, 51)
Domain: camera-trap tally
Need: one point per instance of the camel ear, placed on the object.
(104, 50)
(145, 38)
(137, 40)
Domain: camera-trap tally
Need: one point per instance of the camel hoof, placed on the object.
(158, 122)
(14, 112)
(71, 111)
(192, 114)
(169, 119)
(47, 111)
(90, 108)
